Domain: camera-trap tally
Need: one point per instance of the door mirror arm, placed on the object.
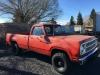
(45, 38)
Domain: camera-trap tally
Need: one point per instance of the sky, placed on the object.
(73, 7)
(70, 8)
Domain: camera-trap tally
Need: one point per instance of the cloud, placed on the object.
(62, 22)
(2, 20)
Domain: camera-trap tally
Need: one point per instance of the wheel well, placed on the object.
(13, 42)
(58, 51)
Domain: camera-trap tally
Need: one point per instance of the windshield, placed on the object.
(56, 30)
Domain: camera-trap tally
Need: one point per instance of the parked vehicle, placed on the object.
(52, 40)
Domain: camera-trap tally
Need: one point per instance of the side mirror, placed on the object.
(45, 38)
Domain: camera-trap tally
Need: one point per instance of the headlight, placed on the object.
(82, 50)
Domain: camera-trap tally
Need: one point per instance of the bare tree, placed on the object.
(30, 10)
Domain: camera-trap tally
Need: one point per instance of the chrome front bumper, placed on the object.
(83, 59)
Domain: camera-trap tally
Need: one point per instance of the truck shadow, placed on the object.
(37, 56)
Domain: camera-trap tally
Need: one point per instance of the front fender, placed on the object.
(67, 51)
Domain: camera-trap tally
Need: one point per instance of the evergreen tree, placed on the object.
(93, 13)
(93, 18)
(72, 22)
(79, 19)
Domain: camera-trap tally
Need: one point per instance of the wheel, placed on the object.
(60, 63)
(15, 49)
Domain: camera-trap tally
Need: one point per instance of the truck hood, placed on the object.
(74, 38)
(78, 38)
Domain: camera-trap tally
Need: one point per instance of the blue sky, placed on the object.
(71, 8)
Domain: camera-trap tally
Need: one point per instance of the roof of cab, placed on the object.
(44, 23)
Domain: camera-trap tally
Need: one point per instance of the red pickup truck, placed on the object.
(54, 41)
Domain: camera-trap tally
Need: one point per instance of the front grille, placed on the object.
(90, 45)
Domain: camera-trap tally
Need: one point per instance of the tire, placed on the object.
(15, 49)
(60, 63)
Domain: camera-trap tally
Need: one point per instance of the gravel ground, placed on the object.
(36, 64)
(25, 64)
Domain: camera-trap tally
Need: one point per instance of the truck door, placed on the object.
(37, 41)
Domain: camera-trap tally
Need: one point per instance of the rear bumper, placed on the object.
(86, 57)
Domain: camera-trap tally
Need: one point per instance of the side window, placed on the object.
(37, 31)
